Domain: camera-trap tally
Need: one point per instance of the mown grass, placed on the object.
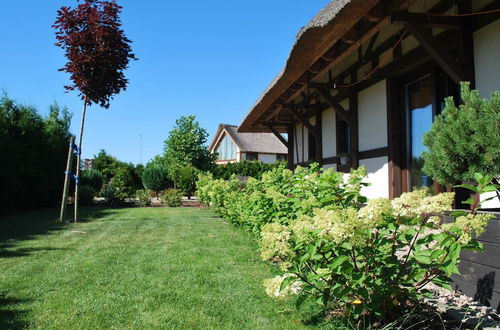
(134, 268)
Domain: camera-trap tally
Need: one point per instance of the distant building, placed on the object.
(88, 164)
(232, 146)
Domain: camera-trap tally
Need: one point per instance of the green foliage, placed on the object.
(280, 196)
(155, 178)
(185, 146)
(186, 181)
(110, 167)
(106, 164)
(339, 253)
(143, 197)
(33, 151)
(254, 169)
(92, 178)
(172, 197)
(464, 140)
(115, 192)
(86, 195)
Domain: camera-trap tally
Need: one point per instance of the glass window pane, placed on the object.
(420, 120)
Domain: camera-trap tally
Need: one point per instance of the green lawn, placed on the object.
(134, 268)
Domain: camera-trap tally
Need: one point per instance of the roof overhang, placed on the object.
(336, 21)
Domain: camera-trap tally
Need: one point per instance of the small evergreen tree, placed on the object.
(92, 178)
(464, 140)
(155, 179)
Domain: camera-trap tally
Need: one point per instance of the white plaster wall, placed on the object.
(329, 135)
(487, 69)
(267, 158)
(487, 58)
(378, 177)
(372, 117)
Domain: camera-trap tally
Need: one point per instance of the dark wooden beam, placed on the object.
(353, 111)
(369, 48)
(436, 51)
(424, 20)
(330, 160)
(376, 14)
(374, 153)
(318, 157)
(278, 135)
(301, 119)
(466, 49)
(351, 36)
(291, 139)
(339, 109)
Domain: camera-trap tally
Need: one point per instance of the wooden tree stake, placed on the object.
(67, 178)
(78, 156)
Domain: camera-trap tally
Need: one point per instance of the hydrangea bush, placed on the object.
(342, 253)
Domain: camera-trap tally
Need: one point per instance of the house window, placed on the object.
(419, 116)
(226, 149)
(311, 139)
(251, 156)
(343, 137)
(280, 157)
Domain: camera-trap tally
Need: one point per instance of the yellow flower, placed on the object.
(357, 302)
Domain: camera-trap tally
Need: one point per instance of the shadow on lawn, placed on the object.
(10, 316)
(26, 225)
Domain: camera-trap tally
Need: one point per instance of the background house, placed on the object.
(233, 146)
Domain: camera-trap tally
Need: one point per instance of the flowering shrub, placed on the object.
(171, 197)
(340, 252)
(143, 197)
(280, 195)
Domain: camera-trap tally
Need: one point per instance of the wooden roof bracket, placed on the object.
(339, 109)
(278, 135)
(301, 119)
(419, 25)
(445, 60)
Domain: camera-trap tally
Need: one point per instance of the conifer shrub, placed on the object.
(92, 178)
(464, 139)
(86, 195)
(155, 178)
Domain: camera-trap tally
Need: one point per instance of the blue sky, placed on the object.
(208, 58)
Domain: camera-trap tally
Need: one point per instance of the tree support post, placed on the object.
(67, 177)
(78, 156)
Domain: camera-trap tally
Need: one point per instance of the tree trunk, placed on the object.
(78, 156)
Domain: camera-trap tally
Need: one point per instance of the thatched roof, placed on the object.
(329, 25)
(250, 142)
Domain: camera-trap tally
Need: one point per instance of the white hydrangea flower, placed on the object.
(273, 285)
